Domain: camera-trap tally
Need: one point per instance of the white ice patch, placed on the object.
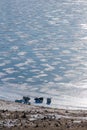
(7, 79)
(2, 74)
(83, 26)
(48, 67)
(2, 64)
(54, 20)
(57, 77)
(10, 70)
(32, 42)
(40, 75)
(30, 80)
(14, 48)
(22, 53)
(21, 34)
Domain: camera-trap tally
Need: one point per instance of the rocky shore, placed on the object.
(16, 116)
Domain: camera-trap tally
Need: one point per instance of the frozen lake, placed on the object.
(43, 50)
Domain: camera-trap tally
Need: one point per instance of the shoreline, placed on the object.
(15, 116)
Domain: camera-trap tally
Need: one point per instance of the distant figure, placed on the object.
(48, 101)
(26, 99)
(38, 100)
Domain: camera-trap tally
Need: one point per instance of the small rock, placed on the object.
(36, 125)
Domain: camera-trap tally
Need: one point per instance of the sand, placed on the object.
(16, 116)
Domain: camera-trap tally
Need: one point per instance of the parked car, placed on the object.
(48, 101)
(38, 100)
(19, 101)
